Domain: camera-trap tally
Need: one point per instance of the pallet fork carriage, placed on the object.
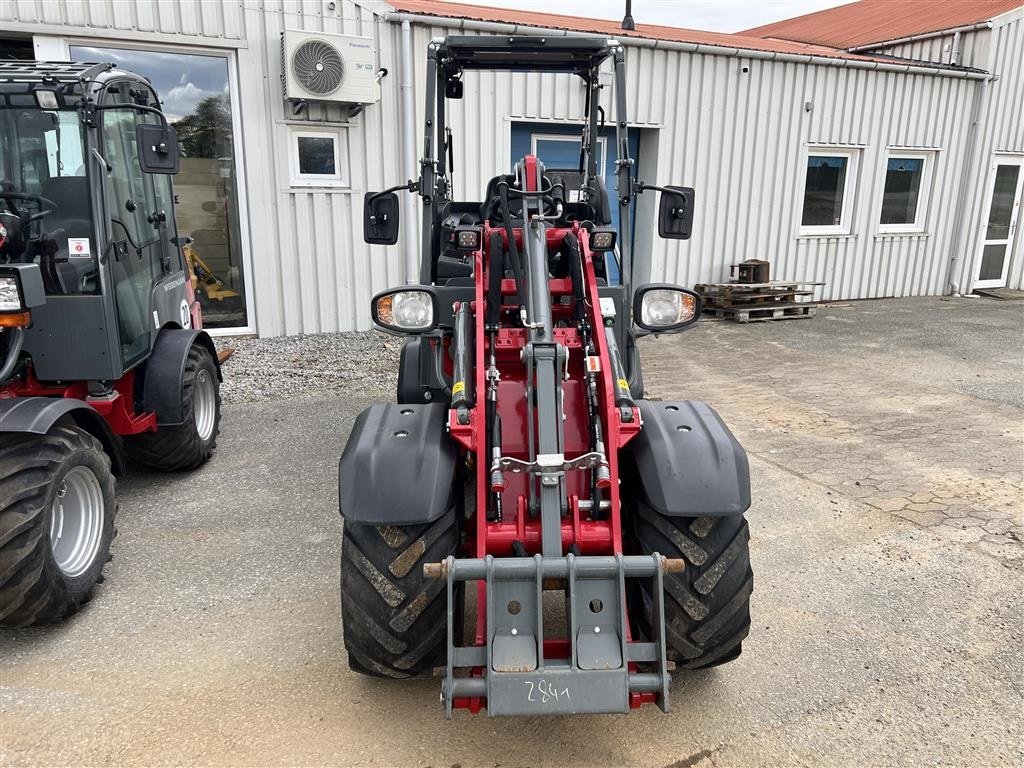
(533, 469)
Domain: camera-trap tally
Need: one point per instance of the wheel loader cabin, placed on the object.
(886, 162)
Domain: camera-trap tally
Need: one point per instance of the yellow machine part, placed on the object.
(203, 278)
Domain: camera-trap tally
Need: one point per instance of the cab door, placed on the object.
(136, 254)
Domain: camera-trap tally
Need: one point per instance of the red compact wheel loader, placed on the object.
(102, 356)
(603, 533)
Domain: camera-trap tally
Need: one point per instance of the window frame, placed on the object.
(340, 177)
(601, 142)
(927, 158)
(845, 226)
(57, 47)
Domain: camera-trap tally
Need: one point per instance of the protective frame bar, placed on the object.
(583, 56)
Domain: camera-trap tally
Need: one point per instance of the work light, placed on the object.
(46, 99)
(467, 239)
(602, 239)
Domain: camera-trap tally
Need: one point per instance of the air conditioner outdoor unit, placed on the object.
(317, 66)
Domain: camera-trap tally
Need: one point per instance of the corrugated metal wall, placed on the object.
(973, 49)
(312, 270)
(740, 139)
(1002, 132)
(197, 18)
(1000, 105)
(738, 136)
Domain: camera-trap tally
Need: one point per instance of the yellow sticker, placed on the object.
(623, 384)
(458, 387)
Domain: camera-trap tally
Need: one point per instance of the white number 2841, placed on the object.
(544, 692)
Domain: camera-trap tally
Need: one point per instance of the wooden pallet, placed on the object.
(752, 302)
(740, 299)
(759, 313)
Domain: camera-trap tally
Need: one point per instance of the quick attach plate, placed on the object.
(512, 672)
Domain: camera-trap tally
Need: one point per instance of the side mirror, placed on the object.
(158, 148)
(409, 309)
(665, 308)
(380, 218)
(675, 215)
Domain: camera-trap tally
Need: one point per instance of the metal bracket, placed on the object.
(551, 466)
(599, 669)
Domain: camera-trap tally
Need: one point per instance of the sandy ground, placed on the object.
(877, 639)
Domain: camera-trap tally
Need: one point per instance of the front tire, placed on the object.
(57, 507)
(394, 618)
(707, 606)
(190, 444)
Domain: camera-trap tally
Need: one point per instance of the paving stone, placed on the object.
(890, 504)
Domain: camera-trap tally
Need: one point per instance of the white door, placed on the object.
(1001, 223)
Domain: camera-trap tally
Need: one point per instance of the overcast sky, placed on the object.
(717, 15)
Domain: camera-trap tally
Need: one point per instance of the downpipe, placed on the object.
(412, 266)
(961, 239)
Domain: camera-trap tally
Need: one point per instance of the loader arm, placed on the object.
(548, 517)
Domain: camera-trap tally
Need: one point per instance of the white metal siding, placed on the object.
(97, 18)
(973, 49)
(1002, 131)
(738, 137)
(312, 271)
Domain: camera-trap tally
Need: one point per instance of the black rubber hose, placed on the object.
(517, 263)
(576, 276)
(495, 272)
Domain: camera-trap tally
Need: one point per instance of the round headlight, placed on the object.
(413, 309)
(664, 307)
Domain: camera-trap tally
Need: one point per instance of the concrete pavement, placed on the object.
(877, 639)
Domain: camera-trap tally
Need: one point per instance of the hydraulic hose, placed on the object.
(517, 264)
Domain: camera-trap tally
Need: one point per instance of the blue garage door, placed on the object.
(558, 146)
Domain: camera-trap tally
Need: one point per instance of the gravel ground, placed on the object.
(327, 364)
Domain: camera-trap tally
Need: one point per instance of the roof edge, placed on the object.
(922, 36)
(878, 62)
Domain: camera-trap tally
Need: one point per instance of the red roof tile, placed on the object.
(444, 9)
(875, 21)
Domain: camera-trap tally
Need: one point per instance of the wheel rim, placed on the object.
(204, 404)
(76, 521)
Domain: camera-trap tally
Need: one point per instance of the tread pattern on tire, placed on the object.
(707, 606)
(32, 588)
(395, 619)
(179, 448)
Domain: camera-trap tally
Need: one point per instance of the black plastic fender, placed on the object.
(409, 377)
(162, 372)
(398, 467)
(37, 416)
(687, 463)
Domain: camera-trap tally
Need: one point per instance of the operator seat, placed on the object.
(70, 219)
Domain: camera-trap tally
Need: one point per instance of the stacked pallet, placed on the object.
(753, 302)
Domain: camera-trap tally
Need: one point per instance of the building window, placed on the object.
(319, 158)
(196, 94)
(828, 192)
(904, 196)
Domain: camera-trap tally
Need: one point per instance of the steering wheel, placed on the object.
(492, 209)
(46, 206)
